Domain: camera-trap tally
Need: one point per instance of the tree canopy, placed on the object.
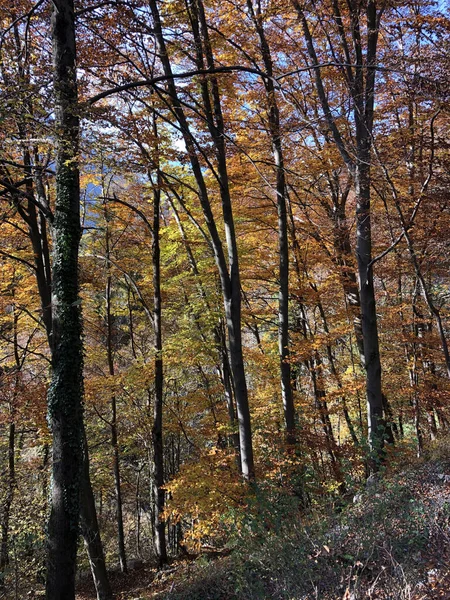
(225, 257)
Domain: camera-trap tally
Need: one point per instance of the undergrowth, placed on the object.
(381, 544)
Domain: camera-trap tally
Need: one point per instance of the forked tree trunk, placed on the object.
(229, 274)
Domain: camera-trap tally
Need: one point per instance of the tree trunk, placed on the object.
(38, 232)
(315, 368)
(368, 312)
(4, 553)
(114, 442)
(219, 333)
(229, 276)
(273, 116)
(91, 532)
(334, 372)
(361, 82)
(65, 408)
(343, 250)
(157, 431)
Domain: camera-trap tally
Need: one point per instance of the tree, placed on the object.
(273, 117)
(229, 275)
(361, 85)
(66, 389)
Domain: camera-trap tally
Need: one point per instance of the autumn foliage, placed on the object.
(222, 206)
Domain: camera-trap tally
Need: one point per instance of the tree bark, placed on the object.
(65, 408)
(223, 367)
(315, 367)
(368, 310)
(157, 429)
(361, 82)
(273, 116)
(114, 442)
(6, 508)
(91, 532)
(334, 372)
(343, 251)
(229, 275)
(38, 227)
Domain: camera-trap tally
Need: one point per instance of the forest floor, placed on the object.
(391, 542)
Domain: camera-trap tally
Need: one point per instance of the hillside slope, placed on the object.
(391, 542)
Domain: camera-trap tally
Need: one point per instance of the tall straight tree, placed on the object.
(359, 50)
(111, 369)
(273, 117)
(65, 406)
(35, 212)
(151, 160)
(157, 429)
(229, 273)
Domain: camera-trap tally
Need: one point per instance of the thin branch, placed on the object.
(18, 19)
(160, 78)
(131, 207)
(21, 260)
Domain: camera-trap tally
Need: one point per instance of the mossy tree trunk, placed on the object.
(65, 395)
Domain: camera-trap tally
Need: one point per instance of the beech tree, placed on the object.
(360, 79)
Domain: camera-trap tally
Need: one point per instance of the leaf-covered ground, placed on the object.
(391, 542)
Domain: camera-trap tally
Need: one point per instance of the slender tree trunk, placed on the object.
(273, 116)
(118, 491)
(343, 251)
(432, 423)
(334, 372)
(232, 296)
(389, 422)
(157, 430)
(361, 81)
(428, 367)
(418, 422)
(368, 312)
(91, 532)
(11, 471)
(428, 299)
(156, 456)
(414, 381)
(229, 276)
(315, 367)
(364, 97)
(219, 337)
(219, 333)
(114, 441)
(225, 375)
(138, 513)
(6, 508)
(66, 389)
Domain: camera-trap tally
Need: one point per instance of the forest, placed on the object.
(224, 299)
